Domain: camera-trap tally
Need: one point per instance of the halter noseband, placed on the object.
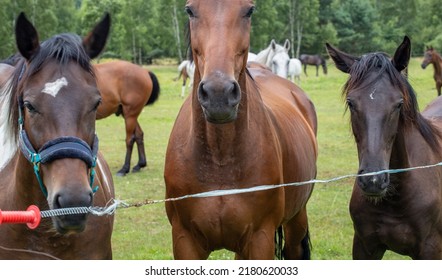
(58, 148)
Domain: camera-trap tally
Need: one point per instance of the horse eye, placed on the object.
(97, 104)
(250, 12)
(29, 106)
(189, 12)
(350, 105)
(399, 105)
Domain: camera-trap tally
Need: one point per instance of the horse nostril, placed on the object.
(57, 202)
(203, 96)
(235, 94)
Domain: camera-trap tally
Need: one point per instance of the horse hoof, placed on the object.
(122, 173)
(138, 167)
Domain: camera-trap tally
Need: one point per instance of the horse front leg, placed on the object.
(368, 250)
(185, 244)
(297, 238)
(139, 139)
(438, 87)
(259, 245)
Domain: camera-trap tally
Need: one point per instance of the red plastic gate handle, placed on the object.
(31, 217)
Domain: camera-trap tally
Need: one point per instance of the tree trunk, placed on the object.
(176, 30)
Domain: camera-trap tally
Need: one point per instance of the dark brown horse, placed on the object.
(125, 89)
(401, 212)
(316, 60)
(239, 128)
(48, 147)
(433, 57)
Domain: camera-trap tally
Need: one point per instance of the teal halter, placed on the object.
(62, 147)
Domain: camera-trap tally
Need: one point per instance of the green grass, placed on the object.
(145, 233)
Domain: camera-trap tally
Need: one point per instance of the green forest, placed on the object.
(145, 30)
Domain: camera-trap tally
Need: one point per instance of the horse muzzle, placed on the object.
(219, 100)
(373, 185)
(72, 222)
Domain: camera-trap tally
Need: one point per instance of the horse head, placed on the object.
(57, 99)
(378, 98)
(428, 57)
(219, 65)
(280, 60)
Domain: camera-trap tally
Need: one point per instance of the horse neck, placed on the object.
(399, 154)
(24, 189)
(437, 63)
(265, 57)
(222, 140)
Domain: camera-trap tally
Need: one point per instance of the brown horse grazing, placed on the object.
(125, 89)
(239, 128)
(316, 60)
(401, 212)
(433, 57)
(48, 147)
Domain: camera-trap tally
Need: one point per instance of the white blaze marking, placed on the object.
(372, 94)
(54, 87)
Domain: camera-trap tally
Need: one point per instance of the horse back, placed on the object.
(122, 82)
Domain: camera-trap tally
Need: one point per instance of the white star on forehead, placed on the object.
(54, 87)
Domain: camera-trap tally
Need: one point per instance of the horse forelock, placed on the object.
(64, 48)
(380, 64)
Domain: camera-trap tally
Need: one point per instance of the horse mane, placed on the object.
(410, 115)
(189, 54)
(63, 48)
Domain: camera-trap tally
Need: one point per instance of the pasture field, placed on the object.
(144, 233)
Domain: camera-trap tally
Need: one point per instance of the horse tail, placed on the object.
(279, 243)
(155, 89)
(306, 246)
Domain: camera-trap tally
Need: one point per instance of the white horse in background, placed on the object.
(295, 70)
(276, 58)
(251, 57)
(266, 56)
(186, 69)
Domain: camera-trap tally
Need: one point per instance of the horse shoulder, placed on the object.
(287, 102)
(282, 88)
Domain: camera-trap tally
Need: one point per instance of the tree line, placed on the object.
(143, 30)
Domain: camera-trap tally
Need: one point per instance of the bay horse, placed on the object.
(401, 212)
(431, 56)
(316, 60)
(125, 89)
(239, 128)
(48, 147)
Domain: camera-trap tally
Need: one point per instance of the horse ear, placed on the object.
(273, 44)
(402, 55)
(343, 61)
(26, 37)
(95, 41)
(287, 45)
